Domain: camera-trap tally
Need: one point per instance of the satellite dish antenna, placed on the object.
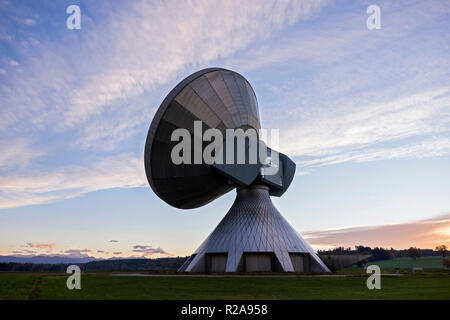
(253, 236)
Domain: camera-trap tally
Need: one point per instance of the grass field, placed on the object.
(403, 263)
(106, 286)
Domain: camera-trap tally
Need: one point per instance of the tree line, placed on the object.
(160, 264)
(379, 253)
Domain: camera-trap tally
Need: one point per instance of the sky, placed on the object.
(365, 114)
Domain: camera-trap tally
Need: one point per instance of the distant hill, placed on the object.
(46, 259)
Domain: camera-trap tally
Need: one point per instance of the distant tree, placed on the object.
(338, 250)
(393, 253)
(446, 262)
(413, 252)
(363, 250)
(441, 250)
(381, 254)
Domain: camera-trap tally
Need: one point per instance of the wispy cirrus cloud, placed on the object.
(428, 148)
(101, 87)
(30, 189)
(415, 126)
(125, 57)
(125, 63)
(344, 35)
(362, 126)
(27, 21)
(356, 95)
(18, 153)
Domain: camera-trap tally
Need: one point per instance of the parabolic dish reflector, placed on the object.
(221, 99)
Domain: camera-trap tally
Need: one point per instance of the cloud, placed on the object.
(129, 54)
(424, 234)
(25, 21)
(115, 172)
(301, 173)
(124, 64)
(29, 22)
(148, 250)
(415, 126)
(131, 70)
(76, 253)
(45, 245)
(117, 252)
(129, 57)
(428, 148)
(18, 153)
(23, 252)
(41, 245)
(113, 240)
(340, 37)
(100, 251)
(348, 89)
(362, 126)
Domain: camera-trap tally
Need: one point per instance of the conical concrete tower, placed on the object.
(254, 236)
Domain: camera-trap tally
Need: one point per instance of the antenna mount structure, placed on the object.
(253, 235)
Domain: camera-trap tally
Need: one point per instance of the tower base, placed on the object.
(253, 236)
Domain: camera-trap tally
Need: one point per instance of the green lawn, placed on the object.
(105, 286)
(423, 262)
(18, 286)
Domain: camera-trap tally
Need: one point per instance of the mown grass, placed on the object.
(105, 286)
(404, 263)
(17, 286)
